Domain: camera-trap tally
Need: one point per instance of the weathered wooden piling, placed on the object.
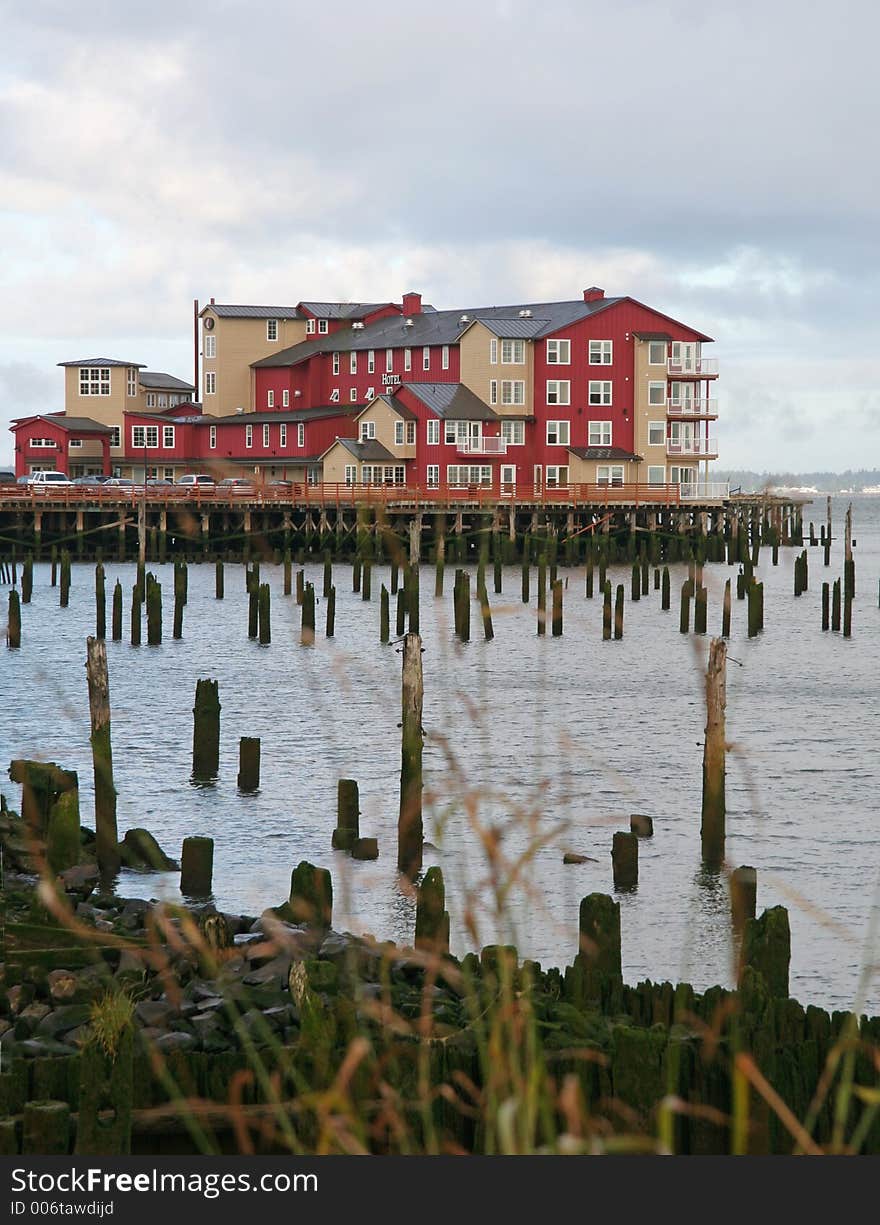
(330, 624)
(497, 575)
(485, 613)
(98, 679)
(356, 574)
(542, 598)
(766, 948)
(625, 860)
(835, 605)
(701, 609)
(135, 617)
(411, 583)
(116, 614)
(826, 603)
(367, 580)
(54, 565)
(755, 594)
(618, 612)
(264, 614)
(106, 1096)
(45, 1129)
(598, 958)
(206, 730)
(656, 578)
(154, 612)
(27, 579)
(395, 573)
(400, 613)
(196, 866)
(100, 602)
(248, 763)
(301, 586)
(253, 612)
(13, 627)
(641, 825)
(311, 895)
(384, 615)
(684, 620)
(409, 824)
(557, 609)
(328, 577)
(432, 918)
(847, 616)
(725, 612)
(177, 626)
(665, 590)
(606, 611)
(64, 595)
(463, 606)
(525, 582)
(307, 631)
(438, 574)
(589, 579)
(636, 584)
(219, 580)
(743, 897)
(714, 809)
(348, 810)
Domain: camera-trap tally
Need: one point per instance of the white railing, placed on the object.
(705, 490)
(692, 408)
(698, 367)
(482, 446)
(705, 447)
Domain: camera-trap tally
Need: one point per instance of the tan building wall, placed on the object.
(477, 370)
(334, 464)
(645, 413)
(385, 418)
(238, 342)
(107, 410)
(585, 471)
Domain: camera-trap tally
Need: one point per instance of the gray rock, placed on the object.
(62, 1020)
(34, 1012)
(154, 1013)
(175, 1041)
(35, 1047)
(63, 985)
(275, 971)
(335, 945)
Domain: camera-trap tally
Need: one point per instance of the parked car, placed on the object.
(119, 480)
(279, 484)
(47, 480)
(158, 480)
(89, 480)
(239, 483)
(196, 478)
(24, 480)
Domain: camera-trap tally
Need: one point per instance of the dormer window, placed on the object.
(323, 327)
(310, 327)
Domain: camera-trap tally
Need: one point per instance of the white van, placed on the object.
(196, 478)
(45, 479)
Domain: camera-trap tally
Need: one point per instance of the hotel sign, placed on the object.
(389, 380)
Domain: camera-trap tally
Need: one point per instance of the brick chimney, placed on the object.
(593, 294)
(412, 303)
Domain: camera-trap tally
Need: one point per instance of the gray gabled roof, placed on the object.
(652, 335)
(369, 450)
(232, 311)
(154, 379)
(451, 401)
(395, 405)
(78, 425)
(515, 329)
(605, 453)
(343, 310)
(103, 361)
(295, 416)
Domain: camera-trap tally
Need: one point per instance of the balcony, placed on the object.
(705, 491)
(700, 448)
(705, 407)
(693, 367)
(481, 446)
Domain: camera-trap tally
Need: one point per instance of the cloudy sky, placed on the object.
(717, 161)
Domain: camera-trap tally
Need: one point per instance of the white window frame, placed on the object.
(300, 434)
(310, 327)
(433, 475)
(368, 431)
(168, 474)
(460, 475)
(271, 330)
(493, 351)
(426, 357)
(371, 361)
(94, 380)
(371, 393)
(210, 346)
(212, 437)
(493, 391)
(248, 436)
(323, 327)
(75, 442)
(559, 433)
(653, 479)
(167, 436)
(151, 399)
(433, 432)
(285, 398)
(270, 398)
(353, 394)
(444, 358)
(657, 393)
(116, 436)
(557, 476)
(131, 382)
(407, 359)
(266, 435)
(600, 391)
(410, 433)
(335, 363)
(514, 433)
(389, 361)
(334, 396)
(152, 437)
(513, 352)
(613, 474)
(210, 382)
(282, 436)
(351, 473)
(653, 346)
(513, 391)
(600, 353)
(655, 426)
(398, 433)
(163, 401)
(559, 352)
(558, 391)
(599, 434)
(353, 362)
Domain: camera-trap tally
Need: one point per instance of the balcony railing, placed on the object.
(705, 407)
(705, 490)
(693, 367)
(481, 446)
(706, 448)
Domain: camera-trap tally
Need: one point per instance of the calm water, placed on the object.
(551, 741)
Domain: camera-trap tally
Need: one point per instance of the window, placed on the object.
(600, 352)
(353, 394)
(335, 363)
(168, 474)
(426, 358)
(167, 435)
(469, 474)
(282, 436)
(433, 433)
(656, 433)
(323, 327)
(310, 327)
(212, 437)
(371, 393)
(389, 360)
(271, 329)
(513, 352)
(210, 346)
(334, 396)
(557, 475)
(371, 361)
(493, 391)
(609, 474)
(248, 435)
(266, 435)
(152, 435)
(433, 476)
(116, 436)
(657, 352)
(210, 383)
(599, 434)
(656, 393)
(313, 476)
(558, 352)
(656, 475)
(75, 442)
(557, 433)
(600, 392)
(47, 442)
(163, 401)
(514, 433)
(368, 430)
(513, 391)
(444, 358)
(450, 431)
(559, 391)
(300, 435)
(407, 359)
(351, 474)
(285, 398)
(352, 363)
(493, 352)
(151, 399)
(270, 399)
(94, 381)
(131, 382)
(410, 433)
(398, 433)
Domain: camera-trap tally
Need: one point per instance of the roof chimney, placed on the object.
(412, 303)
(212, 301)
(593, 294)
